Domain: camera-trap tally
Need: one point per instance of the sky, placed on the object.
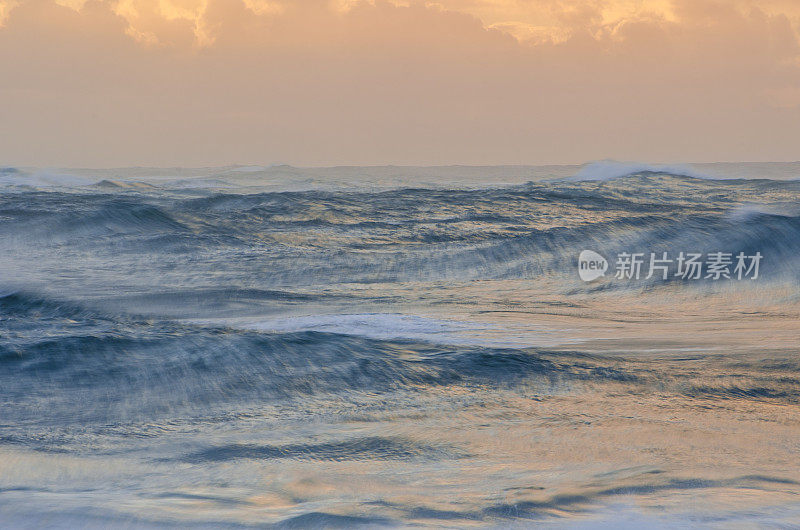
(108, 83)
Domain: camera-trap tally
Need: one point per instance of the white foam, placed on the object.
(747, 211)
(612, 169)
(372, 325)
(43, 180)
(198, 183)
(398, 326)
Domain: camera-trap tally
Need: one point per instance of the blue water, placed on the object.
(240, 347)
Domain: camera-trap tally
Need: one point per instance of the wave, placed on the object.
(14, 177)
(134, 368)
(131, 366)
(318, 238)
(364, 448)
(382, 326)
(748, 212)
(65, 217)
(115, 185)
(611, 169)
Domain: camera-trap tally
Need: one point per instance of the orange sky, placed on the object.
(210, 82)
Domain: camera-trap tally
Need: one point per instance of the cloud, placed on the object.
(179, 82)
(554, 20)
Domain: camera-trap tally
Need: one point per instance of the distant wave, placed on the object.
(10, 176)
(250, 179)
(610, 169)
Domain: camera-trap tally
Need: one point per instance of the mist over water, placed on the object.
(258, 346)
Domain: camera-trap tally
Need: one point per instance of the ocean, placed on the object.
(400, 346)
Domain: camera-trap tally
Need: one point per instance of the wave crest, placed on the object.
(611, 169)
